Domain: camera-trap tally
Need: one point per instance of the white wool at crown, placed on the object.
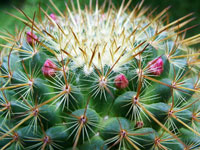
(109, 34)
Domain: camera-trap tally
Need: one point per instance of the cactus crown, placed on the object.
(100, 79)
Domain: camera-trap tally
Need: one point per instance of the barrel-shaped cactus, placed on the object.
(98, 79)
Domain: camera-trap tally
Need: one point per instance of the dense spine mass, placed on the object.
(100, 79)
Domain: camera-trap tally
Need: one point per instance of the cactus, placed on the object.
(103, 78)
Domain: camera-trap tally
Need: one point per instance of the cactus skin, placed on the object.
(104, 79)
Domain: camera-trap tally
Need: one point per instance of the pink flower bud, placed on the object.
(53, 16)
(156, 66)
(103, 17)
(139, 124)
(31, 37)
(49, 68)
(121, 81)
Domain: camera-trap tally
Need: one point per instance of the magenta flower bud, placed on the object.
(49, 68)
(139, 124)
(156, 66)
(53, 16)
(121, 81)
(31, 37)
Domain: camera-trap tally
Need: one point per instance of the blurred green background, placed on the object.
(178, 9)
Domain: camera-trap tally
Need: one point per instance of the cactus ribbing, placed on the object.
(100, 79)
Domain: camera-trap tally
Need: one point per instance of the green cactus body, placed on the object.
(100, 79)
